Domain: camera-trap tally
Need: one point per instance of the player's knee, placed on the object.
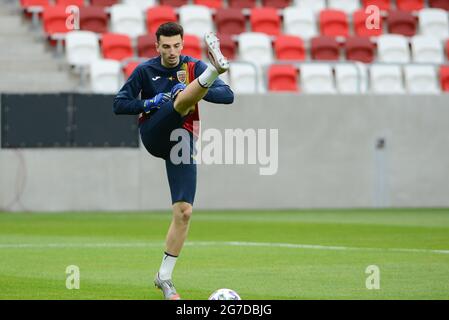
(185, 211)
(183, 108)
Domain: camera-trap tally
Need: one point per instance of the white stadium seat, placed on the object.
(300, 22)
(351, 78)
(393, 48)
(196, 19)
(386, 79)
(317, 78)
(255, 47)
(434, 22)
(243, 78)
(105, 76)
(421, 79)
(348, 6)
(315, 5)
(127, 20)
(427, 49)
(81, 48)
(143, 5)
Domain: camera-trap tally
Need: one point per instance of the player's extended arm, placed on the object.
(126, 101)
(219, 92)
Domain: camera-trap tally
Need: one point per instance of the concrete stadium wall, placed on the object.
(327, 159)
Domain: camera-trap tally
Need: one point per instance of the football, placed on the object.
(224, 294)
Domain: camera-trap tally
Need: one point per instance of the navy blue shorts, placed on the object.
(155, 134)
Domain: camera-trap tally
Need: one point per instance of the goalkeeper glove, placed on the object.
(155, 103)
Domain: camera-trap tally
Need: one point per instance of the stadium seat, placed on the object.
(279, 4)
(401, 22)
(240, 4)
(348, 6)
(227, 46)
(444, 78)
(315, 5)
(421, 79)
(213, 4)
(129, 68)
(127, 20)
(434, 22)
(105, 76)
(426, 49)
(143, 5)
(103, 3)
(116, 46)
(324, 48)
(196, 20)
(300, 22)
(230, 21)
(33, 3)
(289, 48)
(159, 15)
(146, 45)
(351, 79)
(359, 49)
(386, 79)
(410, 5)
(383, 5)
(447, 49)
(317, 78)
(255, 48)
(81, 48)
(333, 23)
(243, 78)
(283, 78)
(192, 46)
(439, 4)
(393, 48)
(93, 19)
(359, 18)
(265, 20)
(173, 3)
(65, 3)
(54, 20)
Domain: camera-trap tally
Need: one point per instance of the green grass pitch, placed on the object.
(305, 254)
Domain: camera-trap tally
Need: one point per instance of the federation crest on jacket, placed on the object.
(181, 75)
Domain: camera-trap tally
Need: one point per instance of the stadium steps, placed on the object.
(26, 60)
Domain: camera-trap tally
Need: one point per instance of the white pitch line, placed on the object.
(213, 243)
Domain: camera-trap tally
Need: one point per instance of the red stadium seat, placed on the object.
(192, 46)
(440, 4)
(230, 21)
(159, 15)
(401, 22)
(359, 18)
(227, 46)
(447, 49)
(324, 48)
(26, 4)
(359, 49)
(283, 78)
(78, 3)
(444, 78)
(265, 20)
(146, 45)
(213, 4)
(93, 19)
(242, 3)
(129, 68)
(288, 47)
(54, 20)
(116, 46)
(410, 5)
(334, 23)
(280, 4)
(383, 5)
(103, 3)
(173, 3)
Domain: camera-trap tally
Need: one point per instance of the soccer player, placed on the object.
(171, 85)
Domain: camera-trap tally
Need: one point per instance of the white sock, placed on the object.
(207, 78)
(167, 266)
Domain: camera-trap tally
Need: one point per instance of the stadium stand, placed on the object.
(82, 48)
(116, 46)
(265, 20)
(410, 5)
(244, 78)
(393, 48)
(359, 19)
(213, 4)
(94, 19)
(315, 5)
(317, 79)
(283, 78)
(196, 20)
(384, 5)
(146, 45)
(421, 79)
(386, 79)
(300, 22)
(351, 79)
(434, 22)
(334, 23)
(401, 22)
(348, 6)
(241, 4)
(288, 47)
(105, 76)
(324, 48)
(127, 20)
(359, 49)
(230, 21)
(427, 49)
(158, 15)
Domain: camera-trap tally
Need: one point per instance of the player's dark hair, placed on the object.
(169, 29)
